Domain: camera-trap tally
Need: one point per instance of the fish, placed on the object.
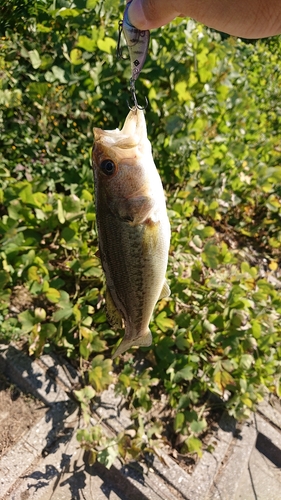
(133, 228)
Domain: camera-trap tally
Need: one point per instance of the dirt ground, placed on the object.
(18, 412)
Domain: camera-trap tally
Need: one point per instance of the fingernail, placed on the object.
(136, 15)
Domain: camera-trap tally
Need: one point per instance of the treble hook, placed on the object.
(119, 50)
(134, 97)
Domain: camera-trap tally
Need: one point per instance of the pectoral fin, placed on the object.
(114, 317)
(142, 341)
(165, 292)
(134, 210)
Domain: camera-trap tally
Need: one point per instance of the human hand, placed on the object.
(246, 19)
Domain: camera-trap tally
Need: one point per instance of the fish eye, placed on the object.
(108, 167)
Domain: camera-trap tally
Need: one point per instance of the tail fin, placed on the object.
(144, 340)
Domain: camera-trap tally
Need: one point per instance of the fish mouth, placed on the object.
(135, 125)
(132, 134)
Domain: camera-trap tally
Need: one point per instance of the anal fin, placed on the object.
(165, 292)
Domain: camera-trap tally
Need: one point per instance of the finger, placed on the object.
(148, 14)
(251, 19)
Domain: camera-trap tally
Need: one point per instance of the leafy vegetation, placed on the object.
(214, 122)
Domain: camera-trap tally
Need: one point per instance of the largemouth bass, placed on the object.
(133, 228)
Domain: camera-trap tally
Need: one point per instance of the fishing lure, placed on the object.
(137, 42)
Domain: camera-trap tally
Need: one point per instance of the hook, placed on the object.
(119, 50)
(134, 98)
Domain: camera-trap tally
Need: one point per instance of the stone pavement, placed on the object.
(47, 462)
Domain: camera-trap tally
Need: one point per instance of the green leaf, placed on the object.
(4, 279)
(108, 456)
(27, 321)
(93, 271)
(205, 232)
(88, 263)
(100, 373)
(89, 392)
(71, 204)
(48, 330)
(198, 426)
(61, 215)
(46, 61)
(228, 365)
(246, 361)
(34, 58)
(98, 345)
(100, 317)
(76, 57)
(181, 89)
(37, 90)
(86, 43)
(111, 4)
(256, 329)
(174, 124)
(33, 199)
(86, 394)
(85, 349)
(186, 373)
(182, 342)
(90, 4)
(33, 275)
(210, 256)
(107, 45)
(42, 28)
(63, 313)
(59, 74)
(179, 421)
(209, 327)
(163, 322)
(53, 295)
(194, 445)
(39, 199)
(64, 12)
(223, 379)
(68, 234)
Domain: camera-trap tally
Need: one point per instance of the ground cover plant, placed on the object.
(214, 121)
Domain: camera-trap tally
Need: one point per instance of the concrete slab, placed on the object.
(30, 377)
(48, 462)
(59, 370)
(114, 414)
(228, 476)
(206, 470)
(270, 408)
(269, 442)
(261, 479)
(38, 439)
(62, 474)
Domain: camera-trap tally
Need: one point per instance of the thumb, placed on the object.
(148, 14)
